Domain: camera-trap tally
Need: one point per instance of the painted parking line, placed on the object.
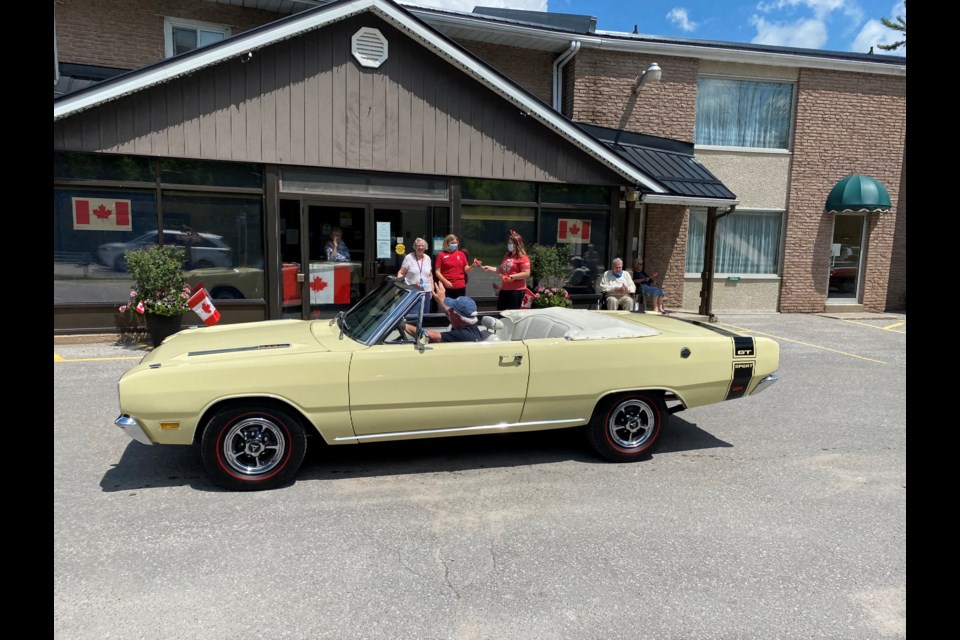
(889, 327)
(58, 358)
(806, 344)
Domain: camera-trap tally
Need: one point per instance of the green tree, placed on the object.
(900, 24)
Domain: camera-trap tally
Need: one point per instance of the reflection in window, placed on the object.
(747, 242)
(204, 172)
(181, 36)
(585, 234)
(497, 190)
(89, 242)
(485, 229)
(574, 194)
(218, 230)
(743, 113)
(99, 166)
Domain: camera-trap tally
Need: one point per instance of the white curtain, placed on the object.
(741, 113)
(747, 242)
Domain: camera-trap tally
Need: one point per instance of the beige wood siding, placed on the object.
(306, 101)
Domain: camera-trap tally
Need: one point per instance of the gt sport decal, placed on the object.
(742, 373)
(743, 347)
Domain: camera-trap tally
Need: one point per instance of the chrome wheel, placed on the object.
(632, 423)
(626, 427)
(254, 446)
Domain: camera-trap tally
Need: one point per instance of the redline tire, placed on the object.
(627, 427)
(253, 448)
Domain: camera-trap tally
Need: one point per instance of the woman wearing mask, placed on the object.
(416, 269)
(514, 271)
(453, 267)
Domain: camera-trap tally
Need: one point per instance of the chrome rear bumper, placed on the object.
(765, 384)
(132, 428)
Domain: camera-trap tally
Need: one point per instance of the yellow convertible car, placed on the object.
(251, 396)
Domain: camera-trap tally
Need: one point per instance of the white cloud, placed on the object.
(679, 17)
(874, 33)
(820, 8)
(806, 33)
(467, 6)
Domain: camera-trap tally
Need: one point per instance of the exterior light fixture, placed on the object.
(652, 74)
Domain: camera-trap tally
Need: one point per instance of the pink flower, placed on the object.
(123, 308)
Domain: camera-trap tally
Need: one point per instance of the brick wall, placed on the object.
(532, 70)
(664, 249)
(135, 34)
(846, 123)
(603, 93)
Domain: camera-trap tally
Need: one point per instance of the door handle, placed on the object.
(514, 360)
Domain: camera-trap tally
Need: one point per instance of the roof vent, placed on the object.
(369, 47)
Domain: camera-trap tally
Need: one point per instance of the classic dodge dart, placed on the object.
(252, 396)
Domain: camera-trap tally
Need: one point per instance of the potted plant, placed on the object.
(550, 297)
(159, 292)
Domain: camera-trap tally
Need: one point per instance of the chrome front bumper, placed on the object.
(132, 428)
(765, 384)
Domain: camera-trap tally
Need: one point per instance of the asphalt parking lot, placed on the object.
(778, 516)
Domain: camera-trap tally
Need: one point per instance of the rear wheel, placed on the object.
(627, 427)
(253, 447)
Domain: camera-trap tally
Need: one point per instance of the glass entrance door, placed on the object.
(332, 255)
(846, 258)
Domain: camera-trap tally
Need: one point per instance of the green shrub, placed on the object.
(159, 287)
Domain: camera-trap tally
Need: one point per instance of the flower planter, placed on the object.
(161, 327)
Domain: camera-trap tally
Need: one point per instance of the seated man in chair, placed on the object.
(617, 287)
(462, 313)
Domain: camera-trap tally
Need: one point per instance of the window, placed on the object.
(180, 36)
(743, 113)
(747, 242)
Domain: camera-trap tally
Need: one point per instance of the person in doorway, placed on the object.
(416, 268)
(335, 248)
(617, 287)
(648, 285)
(453, 267)
(513, 271)
(462, 313)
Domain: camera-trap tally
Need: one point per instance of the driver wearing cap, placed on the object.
(462, 313)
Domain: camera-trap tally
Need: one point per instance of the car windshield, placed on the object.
(362, 321)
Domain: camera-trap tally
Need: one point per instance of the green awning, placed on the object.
(856, 193)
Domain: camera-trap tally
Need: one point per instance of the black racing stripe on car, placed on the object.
(743, 347)
(237, 349)
(712, 327)
(742, 374)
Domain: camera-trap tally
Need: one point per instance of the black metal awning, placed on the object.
(669, 162)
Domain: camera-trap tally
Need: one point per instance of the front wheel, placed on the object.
(627, 427)
(253, 447)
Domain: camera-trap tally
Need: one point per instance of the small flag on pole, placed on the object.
(527, 301)
(202, 305)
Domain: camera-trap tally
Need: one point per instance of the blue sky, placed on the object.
(835, 25)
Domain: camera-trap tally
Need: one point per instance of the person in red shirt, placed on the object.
(452, 267)
(514, 271)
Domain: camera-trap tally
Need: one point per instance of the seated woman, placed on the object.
(648, 285)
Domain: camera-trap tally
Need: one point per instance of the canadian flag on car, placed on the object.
(527, 301)
(202, 305)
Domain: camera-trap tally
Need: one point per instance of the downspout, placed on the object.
(558, 66)
(709, 254)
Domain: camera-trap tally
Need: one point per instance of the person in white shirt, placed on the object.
(618, 287)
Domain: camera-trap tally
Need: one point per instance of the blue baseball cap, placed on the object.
(464, 306)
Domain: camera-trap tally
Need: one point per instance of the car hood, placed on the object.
(237, 342)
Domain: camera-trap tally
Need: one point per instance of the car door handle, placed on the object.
(514, 360)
